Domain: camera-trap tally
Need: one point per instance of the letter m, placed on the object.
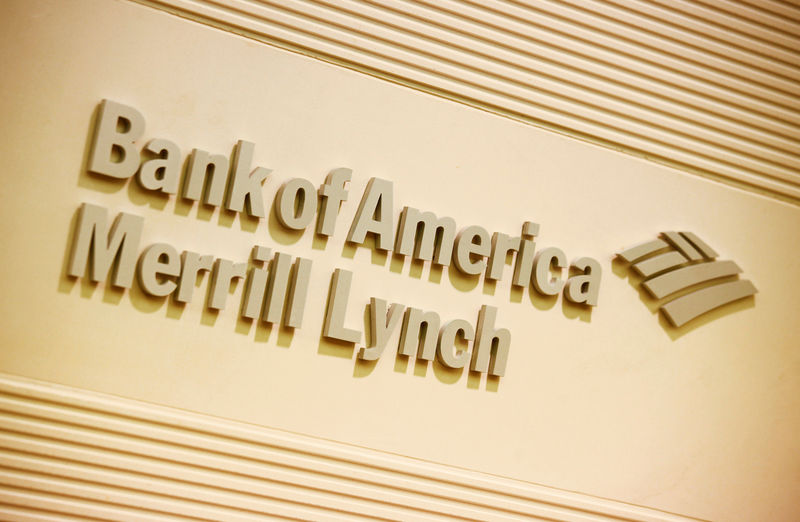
(101, 248)
(427, 232)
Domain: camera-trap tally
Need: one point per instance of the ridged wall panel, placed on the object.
(709, 86)
(66, 452)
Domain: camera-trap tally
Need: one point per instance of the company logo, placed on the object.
(681, 261)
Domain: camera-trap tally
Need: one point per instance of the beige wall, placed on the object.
(701, 421)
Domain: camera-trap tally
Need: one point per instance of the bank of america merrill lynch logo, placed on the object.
(680, 261)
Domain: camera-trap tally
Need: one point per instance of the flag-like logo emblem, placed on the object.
(679, 261)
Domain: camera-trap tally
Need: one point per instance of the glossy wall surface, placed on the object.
(612, 403)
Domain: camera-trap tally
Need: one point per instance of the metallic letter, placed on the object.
(151, 266)
(584, 288)
(447, 340)
(294, 191)
(524, 262)
(412, 327)
(491, 346)
(164, 171)
(298, 291)
(201, 165)
(407, 232)
(466, 246)
(276, 289)
(502, 244)
(244, 187)
(120, 244)
(544, 262)
(332, 194)
(337, 305)
(193, 263)
(374, 215)
(224, 272)
(382, 323)
(108, 139)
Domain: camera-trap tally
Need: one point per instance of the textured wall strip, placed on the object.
(711, 87)
(71, 453)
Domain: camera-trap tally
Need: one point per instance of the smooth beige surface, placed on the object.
(701, 421)
(710, 88)
(74, 452)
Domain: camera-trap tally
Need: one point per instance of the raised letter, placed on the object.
(446, 353)
(246, 187)
(411, 220)
(151, 266)
(337, 306)
(524, 264)
(412, 327)
(164, 171)
(381, 324)
(491, 346)
(193, 263)
(118, 126)
(502, 244)
(466, 246)
(298, 291)
(586, 287)
(224, 272)
(545, 260)
(276, 289)
(201, 165)
(374, 215)
(253, 297)
(120, 244)
(297, 192)
(332, 194)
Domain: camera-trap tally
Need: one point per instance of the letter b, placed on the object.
(113, 152)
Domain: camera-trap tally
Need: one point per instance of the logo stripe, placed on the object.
(702, 246)
(684, 309)
(671, 282)
(657, 264)
(683, 245)
(635, 252)
(680, 261)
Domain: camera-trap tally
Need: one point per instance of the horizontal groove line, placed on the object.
(753, 182)
(212, 471)
(710, 42)
(170, 504)
(661, 113)
(606, 78)
(651, 49)
(284, 500)
(240, 457)
(296, 29)
(729, 27)
(749, 13)
(126, 489)
(774, 7)
(786, 177)
(568, 99)
(660, 13)
(590, 44)
(403, 474)
(669, 21)
(103, 503)
(20, 510)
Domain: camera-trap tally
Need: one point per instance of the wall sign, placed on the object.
(276, 284)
